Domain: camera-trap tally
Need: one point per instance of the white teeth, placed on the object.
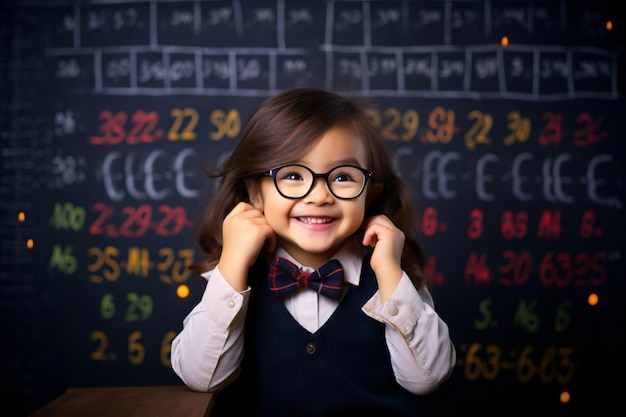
(314, 220)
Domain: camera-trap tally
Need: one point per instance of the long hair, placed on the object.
(283, 129)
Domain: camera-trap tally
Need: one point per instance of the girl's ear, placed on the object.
(254, 193)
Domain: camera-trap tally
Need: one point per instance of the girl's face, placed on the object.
(313, 227)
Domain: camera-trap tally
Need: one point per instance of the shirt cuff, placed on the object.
(220, 300)
(402, 310)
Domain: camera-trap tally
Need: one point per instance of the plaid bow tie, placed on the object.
(285, 277)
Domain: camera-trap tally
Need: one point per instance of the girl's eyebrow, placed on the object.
(349, 161)
(346, 161)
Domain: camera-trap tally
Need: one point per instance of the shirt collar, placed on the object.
(350, 255)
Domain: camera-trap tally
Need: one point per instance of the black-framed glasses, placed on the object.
(296, 181)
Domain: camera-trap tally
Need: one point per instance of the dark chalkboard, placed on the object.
(506, 117)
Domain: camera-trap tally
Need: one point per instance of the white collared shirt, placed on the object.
(308, 308)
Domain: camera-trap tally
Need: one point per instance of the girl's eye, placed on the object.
(345, 174)
(293, 176)
(343, 177)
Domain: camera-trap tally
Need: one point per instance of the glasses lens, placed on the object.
(293, 180)
(346, 181)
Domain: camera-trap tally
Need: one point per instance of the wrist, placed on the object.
(235, 274)
(388, 278)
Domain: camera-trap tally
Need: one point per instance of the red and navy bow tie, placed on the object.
(285, 277)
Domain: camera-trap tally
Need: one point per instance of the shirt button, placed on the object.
(310, 348)
(393, 310)
(230, 304)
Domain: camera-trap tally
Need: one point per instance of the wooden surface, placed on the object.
(129, 402)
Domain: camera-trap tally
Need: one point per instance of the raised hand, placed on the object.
(388, 242)
(244, 232)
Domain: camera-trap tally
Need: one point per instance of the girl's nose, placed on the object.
(320, 191)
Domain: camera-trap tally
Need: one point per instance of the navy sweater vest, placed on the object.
(343, 369)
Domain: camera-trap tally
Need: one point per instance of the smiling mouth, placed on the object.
(316, 220)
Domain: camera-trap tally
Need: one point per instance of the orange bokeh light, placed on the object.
(182, 291)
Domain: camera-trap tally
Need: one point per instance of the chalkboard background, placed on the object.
(514, 150)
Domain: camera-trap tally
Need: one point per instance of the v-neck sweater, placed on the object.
(343, 368)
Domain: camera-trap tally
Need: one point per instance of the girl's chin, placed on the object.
(309, 251)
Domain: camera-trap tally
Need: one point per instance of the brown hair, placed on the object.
(281, 130)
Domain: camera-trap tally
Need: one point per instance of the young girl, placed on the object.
(311, 181)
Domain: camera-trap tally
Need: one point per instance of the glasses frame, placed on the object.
(272, 173)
